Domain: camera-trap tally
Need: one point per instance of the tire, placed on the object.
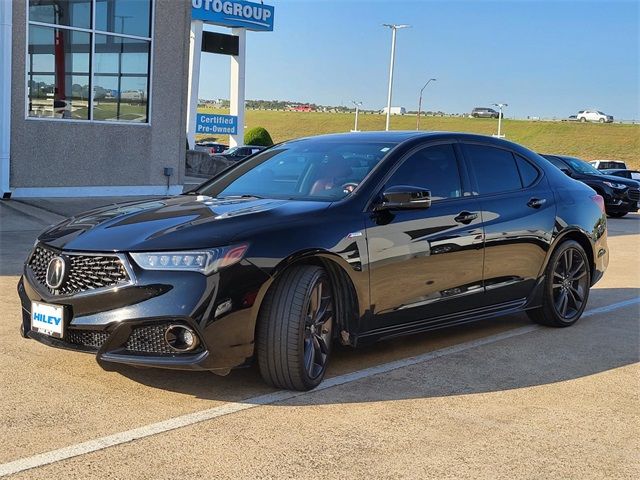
(583, 119)
(616, 214)
(601, 120)
(555, 311)
(295, 329)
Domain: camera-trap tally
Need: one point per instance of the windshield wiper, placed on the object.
(239, 196)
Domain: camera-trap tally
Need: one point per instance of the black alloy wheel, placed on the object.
(318, 329)
(295, 329)
(570, 283)
(566, 288)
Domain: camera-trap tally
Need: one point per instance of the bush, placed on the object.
(258, 136)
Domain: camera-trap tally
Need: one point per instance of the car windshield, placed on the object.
(581, 166)
(310, 169)
(231, 150)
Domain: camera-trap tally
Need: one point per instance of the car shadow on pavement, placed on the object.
(548, 355)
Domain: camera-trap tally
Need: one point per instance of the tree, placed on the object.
(258, 136)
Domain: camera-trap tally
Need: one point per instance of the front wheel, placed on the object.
(295, 329)
(566, 287)
(616, 214)
(583, 119)
(601, 120)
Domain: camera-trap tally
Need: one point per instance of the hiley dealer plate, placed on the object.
(47, 319)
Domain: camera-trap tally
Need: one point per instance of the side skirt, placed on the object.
(443, 321)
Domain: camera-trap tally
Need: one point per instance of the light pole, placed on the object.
(393, 28)
(500, 107)
(420, 101)
(357, 104)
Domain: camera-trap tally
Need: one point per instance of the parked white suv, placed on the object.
(594, 116)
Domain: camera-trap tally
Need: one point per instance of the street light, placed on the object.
(393, 28)
(420, 101)
(500, 107)
(358, 105)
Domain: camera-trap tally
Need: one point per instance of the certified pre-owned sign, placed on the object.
(234, 13)
(226, 124)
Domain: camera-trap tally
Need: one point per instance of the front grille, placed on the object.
(634, 194)
(84, 272)
(86, 338)
(150, 339)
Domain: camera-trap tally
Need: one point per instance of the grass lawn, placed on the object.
(590, 141)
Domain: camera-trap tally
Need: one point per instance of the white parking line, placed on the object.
(83, 448)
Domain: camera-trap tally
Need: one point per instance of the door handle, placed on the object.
(536, 202)
(466, 217)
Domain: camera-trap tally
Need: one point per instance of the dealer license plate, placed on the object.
(47, 319)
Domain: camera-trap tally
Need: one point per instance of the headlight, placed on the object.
(202, 261)
(614, 185)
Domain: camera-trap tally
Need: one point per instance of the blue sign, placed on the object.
(234, 13)
(225, 124)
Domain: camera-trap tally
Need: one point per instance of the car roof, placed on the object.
(609, 170)
(562, 157)
(399, 136)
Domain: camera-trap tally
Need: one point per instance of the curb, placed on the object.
(37, 213)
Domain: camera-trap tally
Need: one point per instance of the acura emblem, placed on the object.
(56, 272)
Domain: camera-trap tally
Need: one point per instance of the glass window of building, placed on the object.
(89, 59)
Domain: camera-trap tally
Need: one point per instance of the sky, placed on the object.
(543, 58)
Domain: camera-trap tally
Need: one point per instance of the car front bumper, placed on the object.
(127, 325)
(622, 200)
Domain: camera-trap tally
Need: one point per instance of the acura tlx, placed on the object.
(349, 238)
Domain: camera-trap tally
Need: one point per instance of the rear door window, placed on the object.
(495, 169)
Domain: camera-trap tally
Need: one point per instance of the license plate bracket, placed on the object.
(47, 319)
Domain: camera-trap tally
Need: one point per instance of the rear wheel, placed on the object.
(583, 119)
(295, 329)
(566, 288)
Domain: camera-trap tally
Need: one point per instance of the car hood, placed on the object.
(173, 223)
(610, 178)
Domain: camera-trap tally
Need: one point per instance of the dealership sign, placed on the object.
(223, 124)
(234, 13)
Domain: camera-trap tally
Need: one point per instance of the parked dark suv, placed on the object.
(348, 238)
(240, 152)
(621, 195)
(484, 112)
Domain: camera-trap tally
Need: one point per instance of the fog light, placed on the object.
(181, 338)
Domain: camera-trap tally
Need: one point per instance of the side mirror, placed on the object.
(566, 171)
(404, 197)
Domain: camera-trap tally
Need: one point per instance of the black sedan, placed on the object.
(621, 195)
(347, 238)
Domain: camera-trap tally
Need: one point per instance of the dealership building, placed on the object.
(97, 95)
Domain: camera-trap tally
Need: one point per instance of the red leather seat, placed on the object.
(333, 173)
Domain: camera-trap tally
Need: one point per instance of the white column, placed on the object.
(195, 48)
(237, 85)
(5, 95)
